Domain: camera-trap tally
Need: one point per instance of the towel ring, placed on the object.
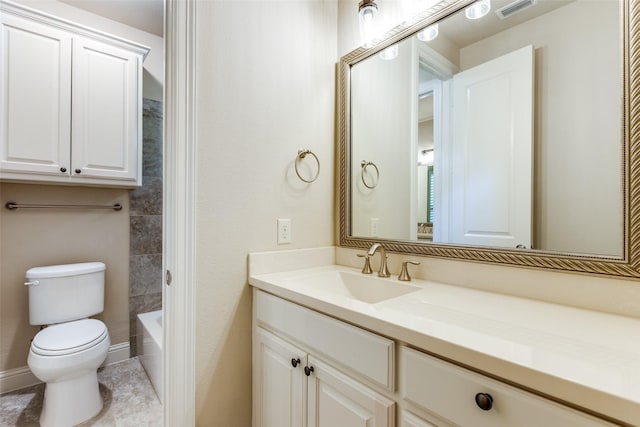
(301, 155)
(365, 164)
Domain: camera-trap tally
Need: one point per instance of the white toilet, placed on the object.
(66, 354)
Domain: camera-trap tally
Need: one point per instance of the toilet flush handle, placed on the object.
(32, 283)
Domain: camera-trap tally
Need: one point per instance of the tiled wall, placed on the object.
(145, 265)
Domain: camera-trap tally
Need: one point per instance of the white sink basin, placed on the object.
(361, 287)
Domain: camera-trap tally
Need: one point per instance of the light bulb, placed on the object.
(478, 9)
(390, 52)
(367, 11)
(429, 33)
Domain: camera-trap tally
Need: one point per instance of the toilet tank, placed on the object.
(61, 293)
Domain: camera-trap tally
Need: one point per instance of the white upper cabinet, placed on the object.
(71, 102)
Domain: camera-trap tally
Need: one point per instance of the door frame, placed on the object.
(179, 243)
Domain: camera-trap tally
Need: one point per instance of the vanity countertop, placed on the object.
(586, 358)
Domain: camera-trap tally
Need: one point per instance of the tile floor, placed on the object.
(129, 400)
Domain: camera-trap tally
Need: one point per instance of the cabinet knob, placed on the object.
(308, 370)
(295, 362)
(63, 169)
(78, 170)
(484, 401)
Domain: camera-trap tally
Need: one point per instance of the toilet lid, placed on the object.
(70, 337)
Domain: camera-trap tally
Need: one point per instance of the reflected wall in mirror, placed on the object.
(501, 139)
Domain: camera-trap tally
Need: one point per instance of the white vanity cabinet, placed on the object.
(314, 387)
(314, 370)
(71, 102)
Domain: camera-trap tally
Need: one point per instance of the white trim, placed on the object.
(15, 379)
(435, 62)
(66, 25)
(179, 214)
(117, 353)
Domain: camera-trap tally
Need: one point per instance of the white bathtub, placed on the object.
(149, 330)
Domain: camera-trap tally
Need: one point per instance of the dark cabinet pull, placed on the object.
(63, 169)
(295, 362)
(78, 170)
(308, 370)
(484, 401)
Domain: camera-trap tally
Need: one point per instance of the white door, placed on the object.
(279, 392)
(490, 157)
(106, 118)
(336, 400)
(35, 94)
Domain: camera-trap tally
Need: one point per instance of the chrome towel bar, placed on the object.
(12, 205)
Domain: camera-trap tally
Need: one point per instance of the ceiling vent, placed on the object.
(515, 7)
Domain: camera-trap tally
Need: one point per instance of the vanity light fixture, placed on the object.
(429, 33)
(478, 9)
(367, 9)
(389, 53)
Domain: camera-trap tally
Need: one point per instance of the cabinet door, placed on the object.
(35, 94)
(335, 400)
(107, 110)
(279, 393)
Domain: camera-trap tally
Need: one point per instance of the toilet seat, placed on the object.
(69, 338)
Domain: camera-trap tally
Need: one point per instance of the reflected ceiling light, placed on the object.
(429, 33)
(478, 9)
(367, 9)
(390, 52)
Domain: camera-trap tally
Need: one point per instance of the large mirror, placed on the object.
(507, 138)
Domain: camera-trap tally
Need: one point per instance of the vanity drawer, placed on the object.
(362, 352)
(449, 392)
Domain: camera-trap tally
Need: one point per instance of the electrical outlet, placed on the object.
(284, 231)
(373, 229)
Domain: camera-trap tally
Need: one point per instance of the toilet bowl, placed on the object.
(66, 354)
(66, 357)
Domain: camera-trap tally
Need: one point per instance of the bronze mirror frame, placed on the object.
(626, 266)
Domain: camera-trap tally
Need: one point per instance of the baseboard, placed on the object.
(17, 378)
(117, 353)
(14, 379)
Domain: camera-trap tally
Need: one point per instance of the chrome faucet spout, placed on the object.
(384, 270)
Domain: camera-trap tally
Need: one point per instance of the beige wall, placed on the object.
(31, 238)
(265, 78)
(153, 67)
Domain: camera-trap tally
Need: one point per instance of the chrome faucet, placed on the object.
(384, 271)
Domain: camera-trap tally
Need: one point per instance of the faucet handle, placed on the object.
(366, 269)
(404, 271)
